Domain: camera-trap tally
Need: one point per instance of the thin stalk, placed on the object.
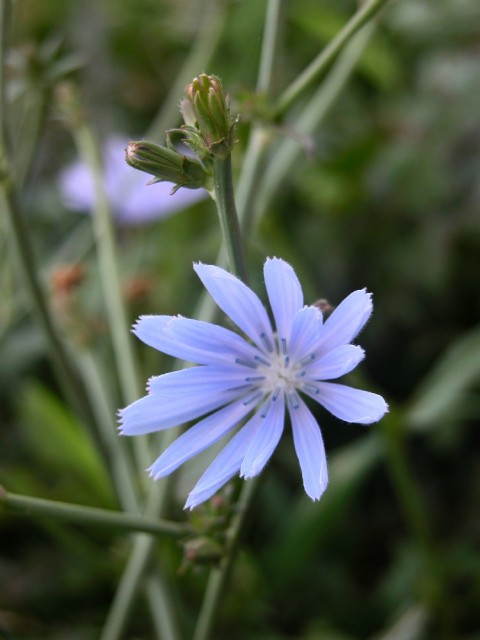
(321, 63)
(227, 213)
(261, 135)
(137, 565)
(274, 21)
(213, 14)
(253, 163)
(79, 514)
(161, 610)
(218, 577)
(119, 461)
(20, 233)
(126, 366)
(307, 123)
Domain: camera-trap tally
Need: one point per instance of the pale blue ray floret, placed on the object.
(247, 385)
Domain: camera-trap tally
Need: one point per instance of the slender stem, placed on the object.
(119, 462)
(274, 20)
(90, 515)
(318, 66)
(126, 366)
(219, 575)
(253, 163)
(138, 563)
(225, 201)
(307, 123)
(20, 232)
(213, 14)
(161, 609)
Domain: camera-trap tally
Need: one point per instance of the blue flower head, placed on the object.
(248, 384)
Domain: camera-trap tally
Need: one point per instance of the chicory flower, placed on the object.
(248, 384)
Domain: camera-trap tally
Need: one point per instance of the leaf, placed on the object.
(58, 442)
(446, 386)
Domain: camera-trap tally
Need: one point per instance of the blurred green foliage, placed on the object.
(390, 200)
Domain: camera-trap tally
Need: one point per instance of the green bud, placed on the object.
(210, 109)
(166, 165)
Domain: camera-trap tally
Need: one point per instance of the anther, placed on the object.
(266, 342)
(253, 398)
(293, 400)
(246, 363)
(307, 359)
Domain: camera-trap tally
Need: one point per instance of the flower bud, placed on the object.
(166, 165)
(210, 109)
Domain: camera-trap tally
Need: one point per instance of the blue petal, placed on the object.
(335, 363)
(155, 413)
(266, 437)
(239, 302)
(193, 340)
(347, 320)
(349, 404)
(202, 379)
(307, 327)
(199, 437)
(284, 293)
(309, 448)
(224, 467)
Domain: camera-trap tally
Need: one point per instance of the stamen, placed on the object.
(309, 388)
(266, 342)
(307, 359)
(292, 396)
(262, 361)
(286, 362)
(283, 346)
(253, 398)
(246, 363)
(251, 379)
(265, 408)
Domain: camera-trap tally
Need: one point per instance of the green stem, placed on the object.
(227, 213)
(118, 460)
(126, 366)
(253, 163)
(20, 232)
(318, 66)
(161, 610)
(213, 14)
(307, 123)
(218, 577)
(91, 515)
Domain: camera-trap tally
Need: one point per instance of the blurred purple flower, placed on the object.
(133, 202)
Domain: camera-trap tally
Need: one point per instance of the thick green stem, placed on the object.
(227, 213)
(78, 514)
(321, 63)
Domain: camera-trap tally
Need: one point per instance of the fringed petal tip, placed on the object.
(120, 423)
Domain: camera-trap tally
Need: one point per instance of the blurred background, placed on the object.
(385, 194)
